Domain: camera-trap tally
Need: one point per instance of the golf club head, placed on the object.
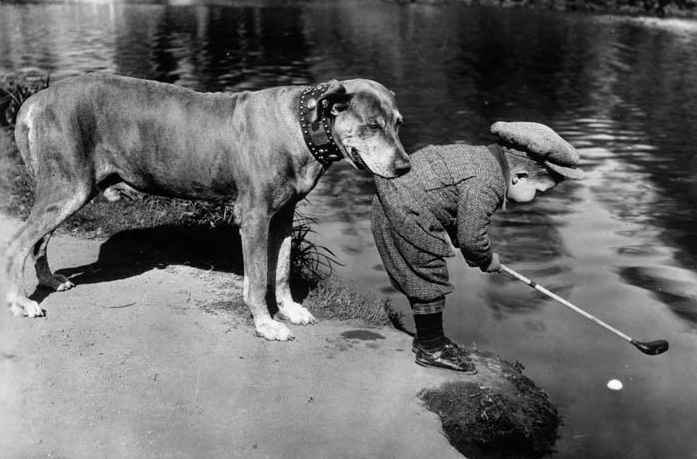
(652, 347)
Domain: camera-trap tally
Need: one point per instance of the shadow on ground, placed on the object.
(133, 252)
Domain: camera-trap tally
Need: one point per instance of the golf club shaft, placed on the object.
(561, 300)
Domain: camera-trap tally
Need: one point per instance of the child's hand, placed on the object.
(495, 265)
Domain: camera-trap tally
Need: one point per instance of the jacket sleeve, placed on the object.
(478, 199)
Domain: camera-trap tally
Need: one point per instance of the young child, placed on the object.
(447, 199)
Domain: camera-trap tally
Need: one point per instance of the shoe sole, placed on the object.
(462, 372)
(415, 349)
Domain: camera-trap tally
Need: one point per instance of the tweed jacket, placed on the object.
(448, 196)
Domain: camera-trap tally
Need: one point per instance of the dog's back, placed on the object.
(157, 137)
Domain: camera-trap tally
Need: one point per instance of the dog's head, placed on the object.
(366, 125)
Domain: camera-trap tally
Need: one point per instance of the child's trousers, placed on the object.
(420, 275)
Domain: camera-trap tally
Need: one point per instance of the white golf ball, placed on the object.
(614, 384)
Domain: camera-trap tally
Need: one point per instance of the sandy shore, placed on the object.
(148, 366)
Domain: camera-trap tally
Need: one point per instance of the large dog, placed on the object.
(261, 151)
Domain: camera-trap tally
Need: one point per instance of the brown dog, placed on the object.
(261, 150)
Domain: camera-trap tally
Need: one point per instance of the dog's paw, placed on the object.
(273, 331)
(24, 307)
(57, 282)
(295, 313)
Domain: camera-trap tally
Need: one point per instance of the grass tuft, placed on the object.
(15, 89)
(333, 299)
(16, 184)
(313, 263)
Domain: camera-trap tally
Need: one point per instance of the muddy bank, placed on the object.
(501, 413)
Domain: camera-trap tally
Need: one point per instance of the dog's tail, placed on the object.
(23, 129)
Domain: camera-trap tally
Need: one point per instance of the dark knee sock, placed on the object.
(429, 331)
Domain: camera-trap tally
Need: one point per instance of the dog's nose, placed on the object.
(402, 166)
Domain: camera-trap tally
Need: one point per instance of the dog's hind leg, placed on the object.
(52, 207)
(46, 278)
(280, 239)
(254, 224)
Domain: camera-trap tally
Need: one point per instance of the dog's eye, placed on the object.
(374, 126)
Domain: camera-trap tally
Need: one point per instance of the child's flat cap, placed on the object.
(541, 143)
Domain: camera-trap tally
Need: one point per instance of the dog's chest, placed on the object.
(307, 179)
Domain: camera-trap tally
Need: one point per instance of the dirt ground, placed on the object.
(149, 364)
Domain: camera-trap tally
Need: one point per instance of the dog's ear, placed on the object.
(334, 101)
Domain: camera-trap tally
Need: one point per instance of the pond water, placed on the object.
(619, 244)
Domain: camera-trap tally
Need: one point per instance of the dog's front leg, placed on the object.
(255, 243)
(281, 232)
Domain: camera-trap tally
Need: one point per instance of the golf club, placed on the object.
(650, 348)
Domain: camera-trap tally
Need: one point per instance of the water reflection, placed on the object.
(526, 235)
(207, 48)
(673, 287)
(217, 48)
(621, 243)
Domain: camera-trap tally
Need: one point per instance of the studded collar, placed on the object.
(317, 130)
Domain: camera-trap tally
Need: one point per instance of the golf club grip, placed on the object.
(561, 300)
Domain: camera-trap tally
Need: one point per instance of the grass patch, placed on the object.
(15, 89)
(333, 299)
(16, 185)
